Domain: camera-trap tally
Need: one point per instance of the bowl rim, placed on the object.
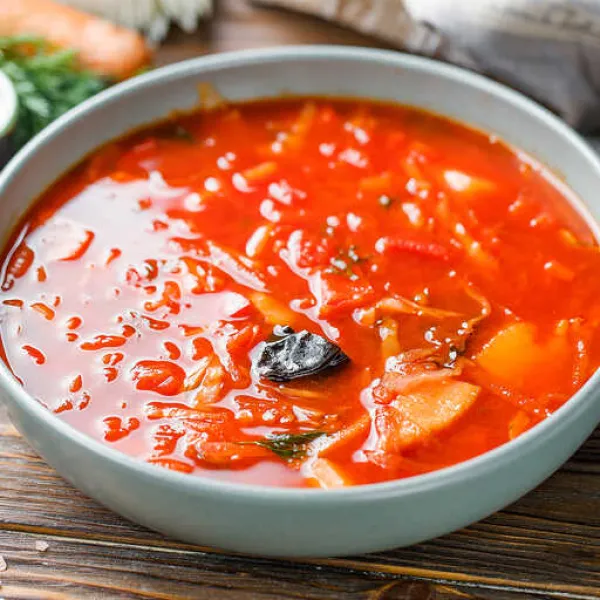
(462, 472)
(9, 105)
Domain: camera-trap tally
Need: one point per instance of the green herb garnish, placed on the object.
(343, 263)
(354, 256)
(289, 446)
(48, 83)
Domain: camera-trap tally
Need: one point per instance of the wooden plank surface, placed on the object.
(237, 24)
(545, 546)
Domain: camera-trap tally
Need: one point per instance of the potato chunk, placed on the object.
(413, 418)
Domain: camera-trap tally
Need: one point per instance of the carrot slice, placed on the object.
(344, 436)
(394, 244)
(106, 49)
(337, 294)
(273, 311)
(403, 306)
(223, 453)
(259, 172)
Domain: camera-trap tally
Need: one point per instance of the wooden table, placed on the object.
(57, 544)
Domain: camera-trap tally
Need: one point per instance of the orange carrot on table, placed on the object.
(106, 49)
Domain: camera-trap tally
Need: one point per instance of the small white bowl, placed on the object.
(8, 117)
(304, 522)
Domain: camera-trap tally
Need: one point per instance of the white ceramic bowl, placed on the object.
(296, 522)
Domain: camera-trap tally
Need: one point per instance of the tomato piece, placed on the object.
(170, 298)
(19, 263)
(212, 385)
(44, 310)
(166, 437)
(101, 341)
(338, 294)
(116, 428)
(225, 454)
(256, 412)
(160, 376)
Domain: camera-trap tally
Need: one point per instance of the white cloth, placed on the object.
(153, 17)
(548, 49)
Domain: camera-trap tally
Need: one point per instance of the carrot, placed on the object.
(259, 172)
(223, 453)
(376, 183)
(258, 241)
(106, 49)
(273, 311)
(398, 305)
(340, 438)
(396, 244)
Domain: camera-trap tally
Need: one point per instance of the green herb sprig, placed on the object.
(289, 446)
(48, 83)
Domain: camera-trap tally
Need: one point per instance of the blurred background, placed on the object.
(59, 52)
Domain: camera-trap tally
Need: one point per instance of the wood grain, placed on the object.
(239, 25)
(545, 546)
(513, 552)
(70, 568)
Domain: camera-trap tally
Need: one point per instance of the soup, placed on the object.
(303, 292)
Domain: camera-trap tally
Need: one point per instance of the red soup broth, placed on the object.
(184, 294)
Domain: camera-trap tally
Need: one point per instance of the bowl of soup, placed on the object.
(346, 301)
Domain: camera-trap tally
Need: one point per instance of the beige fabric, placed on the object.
(549, 49)
(387, 20)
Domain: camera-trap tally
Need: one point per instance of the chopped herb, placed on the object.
(341, 268)
(385, 201)
(289, 446)
(354, 256)
(47, 81)
(342, 264)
